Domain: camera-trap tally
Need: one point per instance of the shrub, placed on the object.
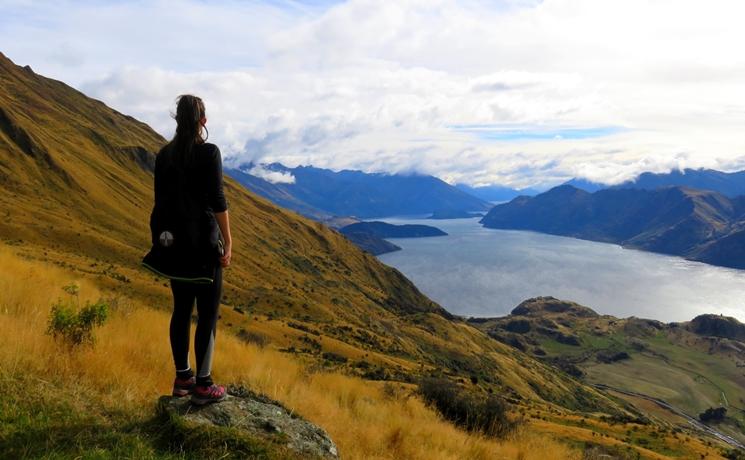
(375, 373)
(362, 364)
(520, 326)
(712, 415)
(486, 414)
(734, 454)
(609, 357)
(257, 338)
(74, 325)
(335, 357)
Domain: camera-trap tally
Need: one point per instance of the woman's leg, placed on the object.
(183, 304)
(208, 303)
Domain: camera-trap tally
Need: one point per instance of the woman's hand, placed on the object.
(223, 221)
(225, 259)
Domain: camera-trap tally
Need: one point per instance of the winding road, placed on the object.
(695, 423)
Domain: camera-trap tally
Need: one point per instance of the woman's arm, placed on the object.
(224, 222)
(219, 206)
(217, 200)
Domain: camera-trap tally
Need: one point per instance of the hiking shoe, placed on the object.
(183, 387)
(204, 395)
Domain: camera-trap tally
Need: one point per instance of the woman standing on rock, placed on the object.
(191, 244)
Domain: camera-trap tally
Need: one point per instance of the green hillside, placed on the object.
(693, 366)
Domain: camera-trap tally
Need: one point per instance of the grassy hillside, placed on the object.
(98, 402)
(91, 215)
(692, 366)
(76, 183)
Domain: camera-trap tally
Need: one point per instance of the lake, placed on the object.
(475, 271)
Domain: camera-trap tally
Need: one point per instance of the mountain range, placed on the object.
(322, 193)
(697, 224)
(496, 193)
(730, 184)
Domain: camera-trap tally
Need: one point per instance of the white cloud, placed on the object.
(379, 86)
(275, 177)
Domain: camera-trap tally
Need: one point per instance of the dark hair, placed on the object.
(189, 112)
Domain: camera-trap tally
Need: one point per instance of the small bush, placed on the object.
(335, 357)
(362, 364)
(734, 454)
(393, 391)
(375, 373)
(485, 414)
(610, 357)
(74, 325)
(257, 338)
(712, 415)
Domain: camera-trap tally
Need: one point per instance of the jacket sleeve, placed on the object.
(216, 196)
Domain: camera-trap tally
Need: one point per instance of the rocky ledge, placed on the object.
(256, 416)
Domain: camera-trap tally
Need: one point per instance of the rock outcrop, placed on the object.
(718, 326)
(545, 306)
(256, 416)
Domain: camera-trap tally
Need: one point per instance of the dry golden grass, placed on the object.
(130, 366)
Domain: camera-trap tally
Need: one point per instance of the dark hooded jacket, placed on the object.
(184, 232)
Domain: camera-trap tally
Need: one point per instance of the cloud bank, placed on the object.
(515, 93)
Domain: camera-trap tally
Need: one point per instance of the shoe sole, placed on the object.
(181, 393)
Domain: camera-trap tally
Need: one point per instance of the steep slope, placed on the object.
(99, 402)
(371, 243)
(87, 193)
(673, 220)
(84, 204)
(355, 193)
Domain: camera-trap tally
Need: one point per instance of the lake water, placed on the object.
(475, 271)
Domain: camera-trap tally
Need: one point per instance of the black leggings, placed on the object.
(208, 301)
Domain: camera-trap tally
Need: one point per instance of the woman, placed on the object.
(189, 197)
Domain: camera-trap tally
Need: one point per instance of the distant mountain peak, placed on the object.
(586, 184)
(318, 191)
(730, 184)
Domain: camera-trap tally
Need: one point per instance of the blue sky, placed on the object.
(519, 93)
(535, 133)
